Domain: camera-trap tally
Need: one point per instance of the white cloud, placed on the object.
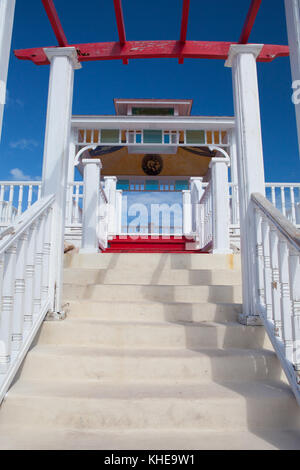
(19, 175)
(13, 101)
(24, 144)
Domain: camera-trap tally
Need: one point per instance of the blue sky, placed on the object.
(207, 82)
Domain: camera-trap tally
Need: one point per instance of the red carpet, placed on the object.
(144, 244)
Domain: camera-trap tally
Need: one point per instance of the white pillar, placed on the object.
(110, 183)
(91, 175)
(220, 205)
(7, 11)
(119, 200)
(292, 10)
(56, 151)
(242, 59)
(71, 176)
(234, 178)
(187, 213)
(196, 194)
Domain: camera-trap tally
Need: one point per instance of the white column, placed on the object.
(220, 205)
(7, 11)
(91, 175)
(292, 10)
(71, 176)
(234, 178)
(187, 213)
(196, 195)
(242, 59)
(110, 190)
(119, 200)
(56, 151)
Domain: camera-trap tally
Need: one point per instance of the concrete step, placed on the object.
(239, 406)
(39, 438)
(153, 335)
(158, 261)
(147, 365)
(85, 276)
(138, 293)
(153, 311)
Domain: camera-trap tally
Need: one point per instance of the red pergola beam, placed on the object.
(55, 22)
(120, 21)
(184, 20)
(184, 24)
(250, 20)
(153, 50)
(120, 24)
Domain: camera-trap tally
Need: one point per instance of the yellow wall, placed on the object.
(184, 163)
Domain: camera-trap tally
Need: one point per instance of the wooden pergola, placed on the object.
(124, 50)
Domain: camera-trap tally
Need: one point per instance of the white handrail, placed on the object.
(277, 283)
(26, 292)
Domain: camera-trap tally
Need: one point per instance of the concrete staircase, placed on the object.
(150, 356)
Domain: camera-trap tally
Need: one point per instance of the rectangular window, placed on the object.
(152, 137)
(195, 137)
(152, 185)
(153, 111)
(123, 184)
(181, 185)
(110, 136)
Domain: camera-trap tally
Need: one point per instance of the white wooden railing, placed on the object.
(277, 281)
(27, 290)
(103, 214)
(16, 197)
(204, 225)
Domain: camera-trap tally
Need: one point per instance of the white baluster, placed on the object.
(276, 288)
(7, 308)
(267, 267)
(283, 206)
(293, 208)
(29, 196)
(273, 192)
(295, 295)
(260, 260)
(39, 246)
(287, 333)
(20, 201)
(39, 192)
(18, 315)
(46, 256)
(10, 204)
(29, 282)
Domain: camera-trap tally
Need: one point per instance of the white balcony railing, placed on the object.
(17, 196)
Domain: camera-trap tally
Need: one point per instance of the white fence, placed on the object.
(17, 196)
(277, 284)
(26, 291)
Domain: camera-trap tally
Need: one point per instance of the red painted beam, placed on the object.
(120, 24)
(184, 24)
(120, 21)
(250, 20)
(153, 50)
(184, 20)
(55, 22)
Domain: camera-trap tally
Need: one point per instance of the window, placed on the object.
(152, 137)
(110, 136)
(152, 185)
(123, 184)
(153, 111)
(181, 185)
(195, 137)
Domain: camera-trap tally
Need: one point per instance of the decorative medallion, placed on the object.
(152, 165)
